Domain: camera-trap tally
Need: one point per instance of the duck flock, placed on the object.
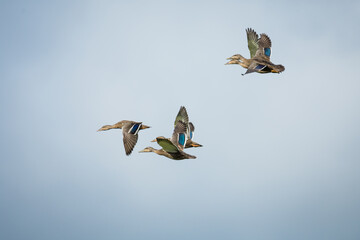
(182, 137)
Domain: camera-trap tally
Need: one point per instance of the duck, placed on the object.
(190, 129)
(260, 52)
(172, 147)
(130, 131)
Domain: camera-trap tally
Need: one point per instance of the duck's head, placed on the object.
(120, 124)
(116, 125)
(235, 57)
(148, 149)
(161, 137)
(233, 62)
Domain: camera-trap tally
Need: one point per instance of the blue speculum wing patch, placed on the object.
(260, 67)
(135, 128)
(191, 134)
(181, 140)
(267, 51)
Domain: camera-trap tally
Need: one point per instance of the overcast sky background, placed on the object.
(281, 155)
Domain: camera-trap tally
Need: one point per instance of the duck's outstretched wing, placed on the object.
(264, 49)
(252, 38)
(179, 136)
(130, 136)
(255, 67)
(182, 116)
(191, 130)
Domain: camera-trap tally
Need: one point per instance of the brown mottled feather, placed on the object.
(180, 127)
(191, 126)
(264, 41)
(130, 141)
(182, 116)
(253, 39)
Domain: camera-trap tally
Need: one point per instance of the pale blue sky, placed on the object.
(281, 155)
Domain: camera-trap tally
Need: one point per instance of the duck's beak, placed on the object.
(194, 144)
(144, 126)
(153, 140)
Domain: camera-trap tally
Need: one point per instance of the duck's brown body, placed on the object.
(175, 156)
